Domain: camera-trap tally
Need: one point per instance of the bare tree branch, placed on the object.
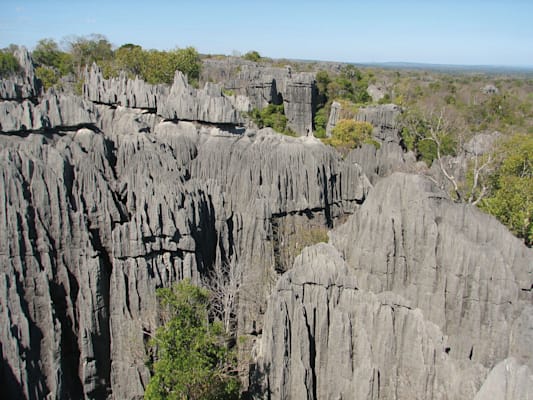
(224, 281)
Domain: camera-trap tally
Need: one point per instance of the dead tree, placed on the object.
(433, 127)
(224, 282)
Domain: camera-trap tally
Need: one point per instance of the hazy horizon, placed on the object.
(462, 33)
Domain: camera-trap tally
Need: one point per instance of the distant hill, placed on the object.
(451, 68)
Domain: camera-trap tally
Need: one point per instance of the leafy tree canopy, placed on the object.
(511, 199)
(349, 134)
(252, 56)
(272, 116)
(191, 358)
(8, 64)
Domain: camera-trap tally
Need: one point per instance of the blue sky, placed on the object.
(444, 32)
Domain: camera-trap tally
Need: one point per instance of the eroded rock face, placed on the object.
(267, 85)
(461, 267)
(179, 102)
(326, 338)
(205, 105)
(384, 119)
(52, 112)
(508, 380)
(97, 218)
(133, 93)
(451, 282)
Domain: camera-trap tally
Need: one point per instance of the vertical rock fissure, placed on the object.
(102, 343)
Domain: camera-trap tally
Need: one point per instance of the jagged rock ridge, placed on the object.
(439, 295)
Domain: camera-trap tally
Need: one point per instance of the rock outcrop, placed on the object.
(507, 381)
(326, 338)
(266, 85)
(384, 119)
(376, 92)
(97, 218)
(459, 266)
(451, 282)
(52, 112)
(133, 93)
(23, 85)
(205, 105)
(179, 102)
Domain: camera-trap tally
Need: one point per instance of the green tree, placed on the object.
(48, 76)
(272, 116)
(192, 360)
(160, 66)
(88, 49)
(52, 63)
(130, 58)
(187, 60)
(428, 135)
(252, 56)
(321, 120)
(349, 134)
(47, 53)
(511, 198)
(8, 64)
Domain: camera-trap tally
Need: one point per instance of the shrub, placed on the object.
(48, 76)
(252, 56)
(349, 134)
(8, 64)
(191, 359)
(321, 121)
(160, 66)
(272, 116)
(511, 199)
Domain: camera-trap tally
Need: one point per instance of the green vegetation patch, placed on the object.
(272, 116)
(191, 358)
(349, 134)
(9, 65)
(511, 187)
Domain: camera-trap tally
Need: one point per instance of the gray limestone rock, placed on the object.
(380, 162)
(129, 190)
(376, 92)
(326, 338)
(133, 93)
(507, 381)
(23, 85)
(334, 116)
(299, 103)
(461, 267)
(290, 174)
(267, 85)
(54, 111)
(384, 119)
(207, 105)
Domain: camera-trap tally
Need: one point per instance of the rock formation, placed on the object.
(133, 187)
(402, 266)
(53, 111)
(133, 93)
(23, 85)
(266, 85)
